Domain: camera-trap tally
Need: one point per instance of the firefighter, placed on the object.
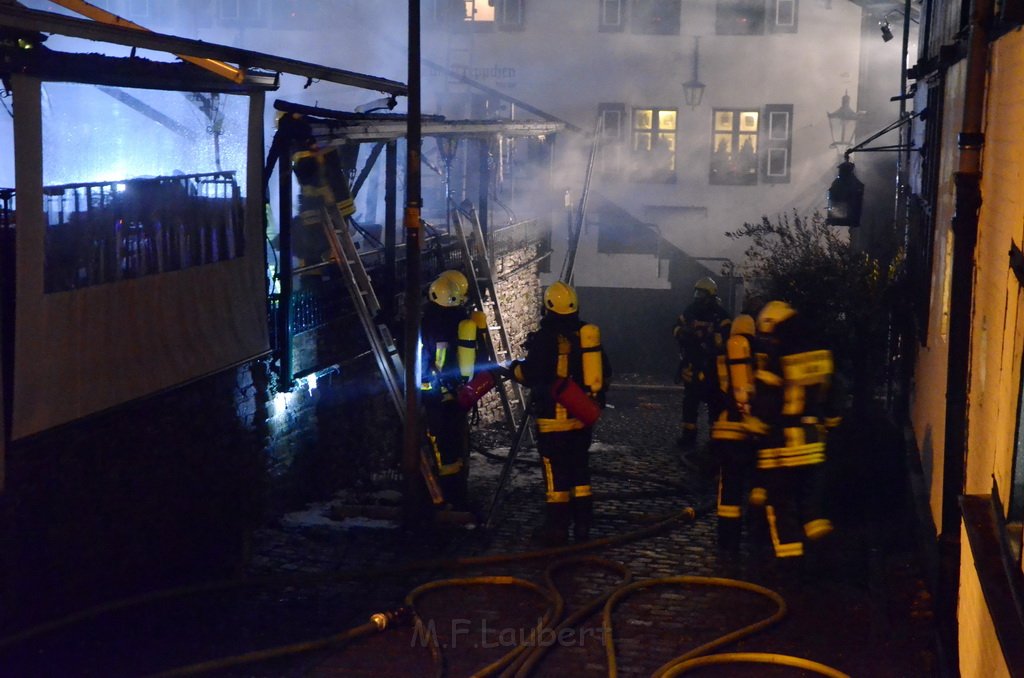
(449, 358)
(567, 374)
(700, 333)
(461, 283)
(733, 388)
(791, 410)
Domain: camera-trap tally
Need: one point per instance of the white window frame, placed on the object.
(612, 15)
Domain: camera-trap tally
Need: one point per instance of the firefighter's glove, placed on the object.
(686, 374)
(515, 369)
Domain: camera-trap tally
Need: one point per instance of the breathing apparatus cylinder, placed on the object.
(475, 389)
(590, 345)
(466, 352)
(575, 400)
(741, 368)
(480, 318)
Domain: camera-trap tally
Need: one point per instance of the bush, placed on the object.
(843, 294)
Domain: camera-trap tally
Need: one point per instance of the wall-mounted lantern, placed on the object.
(842, 123)
(845, 197)
(693, 90)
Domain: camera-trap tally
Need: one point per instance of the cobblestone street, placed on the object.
(862, 608)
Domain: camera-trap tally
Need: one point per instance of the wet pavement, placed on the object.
(859, 608)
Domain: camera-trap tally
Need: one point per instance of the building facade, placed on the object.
(965, 228)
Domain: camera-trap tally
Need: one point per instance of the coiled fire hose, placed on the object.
(523, 659)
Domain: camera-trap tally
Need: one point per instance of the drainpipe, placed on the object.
(965, 238)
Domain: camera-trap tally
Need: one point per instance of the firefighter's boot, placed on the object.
(729, 531)
(455, 488)
(582, 517)
(555, 530)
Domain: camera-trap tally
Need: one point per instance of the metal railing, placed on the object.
(104, 232)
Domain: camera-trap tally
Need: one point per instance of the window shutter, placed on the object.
(782, 17)
(510, 14)
(777, 143)
(612, 17)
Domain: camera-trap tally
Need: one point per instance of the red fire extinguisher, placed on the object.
(475, 389)
(581, 406)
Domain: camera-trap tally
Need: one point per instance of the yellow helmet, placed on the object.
(561, 299)
(773, 313)
(444, 292)
(461, 283)
(706, 285)
(742, 324)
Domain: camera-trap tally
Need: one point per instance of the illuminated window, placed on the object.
(655, 17)
(734, 147)
(654, 145)
(613, 18)
(506, 15)
(479, 11)
(755, 17)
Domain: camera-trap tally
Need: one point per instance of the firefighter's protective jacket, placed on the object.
(793, 403)
(700, 333)
(554, 351)
(441, 375)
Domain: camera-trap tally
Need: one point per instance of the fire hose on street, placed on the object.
(523, 659)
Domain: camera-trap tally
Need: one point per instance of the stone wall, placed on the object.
(518, 252)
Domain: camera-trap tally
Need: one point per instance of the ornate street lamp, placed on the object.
(693, 90)
(845, 197)
(842, 123)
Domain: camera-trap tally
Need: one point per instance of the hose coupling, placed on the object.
(383, 619)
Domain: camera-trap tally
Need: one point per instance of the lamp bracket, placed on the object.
(885, 130)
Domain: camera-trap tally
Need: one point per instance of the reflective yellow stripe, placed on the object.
(728, 511)
(448, 469)
(728, 434)
(793, 399)
(769, 378)
(549, 478)
(816, 529)
(562, 369)
(795, 436)
(440, 354)
(558, 497)
(555, 425)
(802, 455)
(581, 491)
(788, 550)
(433, 445)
